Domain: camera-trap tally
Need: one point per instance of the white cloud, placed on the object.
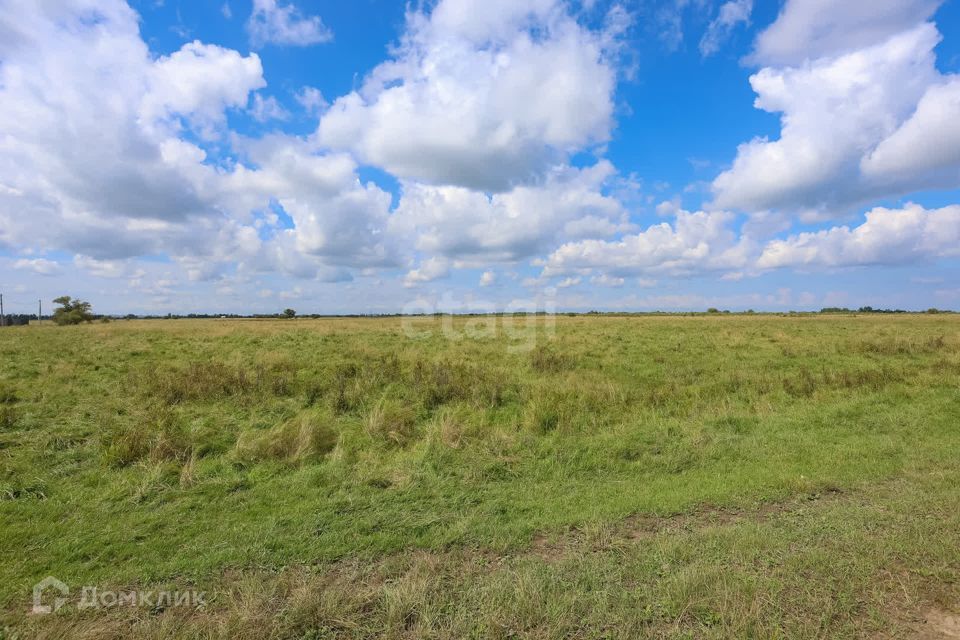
(888, 236)
(311, 99)
(266, 109)
(90, 154)
(199, 82)
(336, 217)
(668, 20)
(696, 242)
(836, 111)
(810, 29)
(40, 266)
(105, 268)
(569, 282)
(487, 278)
(605, 280)
(523, 222)
(429, 270)
(925, 150)
(96, 159)
(481, 94)
(275, 23)
(731, 14)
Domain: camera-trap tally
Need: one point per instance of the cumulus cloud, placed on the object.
(109, 152)
(925, 150)
(430, 270)
(335, 216)
(694, 243)
(811, 29)
(887, 236)
(199, 82)
(837, 115)
(40, 266)
(274, 23)
(106, 268)
(99, 156)
(480, 94)
(457, 222)
(731, 14)
(90, 155)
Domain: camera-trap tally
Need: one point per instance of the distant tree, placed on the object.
(713, 310)
(72, 311)
(289, 313)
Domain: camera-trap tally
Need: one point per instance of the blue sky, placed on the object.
(370, 156)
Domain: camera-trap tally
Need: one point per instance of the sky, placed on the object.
(374, 156)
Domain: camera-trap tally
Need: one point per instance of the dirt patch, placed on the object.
(936, 624)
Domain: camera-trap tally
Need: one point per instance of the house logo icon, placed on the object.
(49, 583)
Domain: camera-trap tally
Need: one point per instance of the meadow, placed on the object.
(707, 476)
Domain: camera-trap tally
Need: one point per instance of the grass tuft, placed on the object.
(306, 438)
(391, 421)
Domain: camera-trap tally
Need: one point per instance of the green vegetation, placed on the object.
(712, 476)
(71, 311)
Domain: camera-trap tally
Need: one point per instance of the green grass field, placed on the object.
(627, 477)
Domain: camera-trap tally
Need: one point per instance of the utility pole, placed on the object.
(39, 311)
(3, 318)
